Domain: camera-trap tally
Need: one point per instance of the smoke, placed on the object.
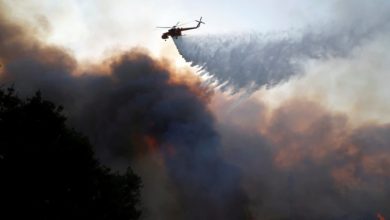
(301, 161)
(252, 60)
(133, 107)
(201, 159)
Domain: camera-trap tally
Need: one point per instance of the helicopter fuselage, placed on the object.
(173, 32)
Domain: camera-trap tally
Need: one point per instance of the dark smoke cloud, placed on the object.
(252, 60)
(139, 103)
(304, 162)
(138, 108)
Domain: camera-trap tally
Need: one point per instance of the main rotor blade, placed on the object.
(180, 25)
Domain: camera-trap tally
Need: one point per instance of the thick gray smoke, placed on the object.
(296, 162)
(252, 60)
(135, 110)
(306, 163)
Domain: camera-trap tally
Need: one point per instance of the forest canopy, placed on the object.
(49, 171)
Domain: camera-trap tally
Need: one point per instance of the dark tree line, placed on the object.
(48, 171)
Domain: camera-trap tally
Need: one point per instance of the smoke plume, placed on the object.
(304, 162)
(133, 107)
(201, 159)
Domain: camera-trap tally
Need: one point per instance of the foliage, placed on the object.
(48, 171)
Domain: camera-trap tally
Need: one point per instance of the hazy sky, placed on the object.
(91, 27)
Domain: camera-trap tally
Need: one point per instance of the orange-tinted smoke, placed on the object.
(19, 40)
(380, 217)
(301, 131)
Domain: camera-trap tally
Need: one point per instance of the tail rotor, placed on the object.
(200, 21)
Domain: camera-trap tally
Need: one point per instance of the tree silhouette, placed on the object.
(48, 171)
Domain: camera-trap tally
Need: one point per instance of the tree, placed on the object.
(48, 171)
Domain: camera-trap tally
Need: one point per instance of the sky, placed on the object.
(92, 28)
(271, 110)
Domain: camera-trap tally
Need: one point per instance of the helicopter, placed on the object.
(175, 31)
